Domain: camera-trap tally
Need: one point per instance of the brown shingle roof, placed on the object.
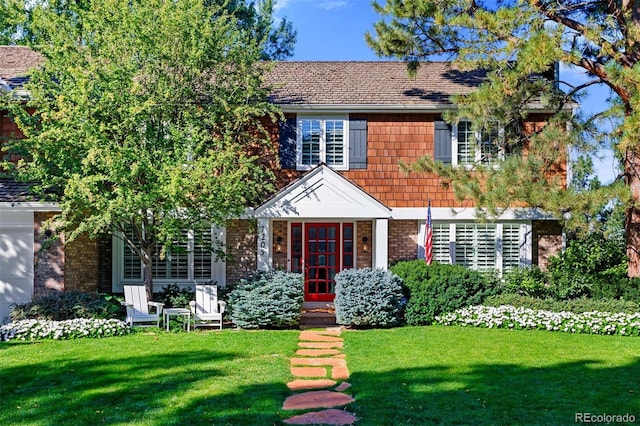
(321, 82)
(15, 63)
(368, 83)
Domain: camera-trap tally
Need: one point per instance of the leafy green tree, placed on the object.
(516, 42)
(149, 119)
(254, 19)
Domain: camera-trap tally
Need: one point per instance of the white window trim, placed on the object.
(477, 149)
(323, 153)
(499, 260)
(217, 273)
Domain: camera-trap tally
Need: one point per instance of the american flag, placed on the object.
(428, 239)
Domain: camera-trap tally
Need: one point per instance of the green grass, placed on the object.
(453, 375)
(402, 376)
(234, 378)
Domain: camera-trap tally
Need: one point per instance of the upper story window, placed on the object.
(322, 140)
(476, 147)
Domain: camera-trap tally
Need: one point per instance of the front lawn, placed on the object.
(400, 376)
(456, 375)
(203, 378)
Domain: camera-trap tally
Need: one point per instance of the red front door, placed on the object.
(320, 251)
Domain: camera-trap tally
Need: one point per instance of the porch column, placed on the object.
(381, 244)
(264, 245)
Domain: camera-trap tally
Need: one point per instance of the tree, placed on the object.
(254, 19)
(148, 120)
(517, 42)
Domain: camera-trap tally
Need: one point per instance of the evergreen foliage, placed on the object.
(519, 44)
(368, 298)
(438, 288)
(267, 300)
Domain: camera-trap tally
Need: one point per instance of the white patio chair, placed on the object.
(207, 310)
(137, 305)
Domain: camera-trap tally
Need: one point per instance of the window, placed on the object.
(482, 247)
(322, 140)
(473, 147)
(191, 260)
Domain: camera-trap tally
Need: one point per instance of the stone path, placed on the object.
(320, 370)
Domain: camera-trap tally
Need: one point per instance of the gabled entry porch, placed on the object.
(320, 225)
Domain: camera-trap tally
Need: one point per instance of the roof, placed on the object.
(15, 64)
(368, 83)
(14, 192)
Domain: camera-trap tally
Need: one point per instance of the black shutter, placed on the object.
(287, 149)
(357, 144)
(442, 142)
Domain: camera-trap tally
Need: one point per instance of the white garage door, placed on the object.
(16, 259)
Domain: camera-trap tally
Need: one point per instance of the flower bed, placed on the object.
(63, 330)
(509, 317)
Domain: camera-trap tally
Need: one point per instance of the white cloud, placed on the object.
(280, 5)
(333, 4)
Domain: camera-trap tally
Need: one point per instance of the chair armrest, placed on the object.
(222, 306)
(158, 306)
(123, 303)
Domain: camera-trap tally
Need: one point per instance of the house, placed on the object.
(342, 201)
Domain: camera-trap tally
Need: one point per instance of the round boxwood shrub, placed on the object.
(368, 298)
(270, 299)
(438, 288)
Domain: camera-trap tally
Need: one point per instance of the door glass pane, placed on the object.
(332, 232)
(332, 260)
(322, 233)
(322, 247)
(348, 232)
(332, 247)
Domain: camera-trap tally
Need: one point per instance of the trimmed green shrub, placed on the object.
(531, 281)
(270, 299)
(66, 305)
(175, 297)
(577, 306)
(437, 288)
(593, 266)
(368, 298)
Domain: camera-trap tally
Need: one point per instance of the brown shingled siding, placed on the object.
(241, 246)
(403, 240)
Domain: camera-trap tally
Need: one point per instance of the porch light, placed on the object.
(365, 246)
(278, 244)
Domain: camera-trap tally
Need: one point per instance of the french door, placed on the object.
(320, 251)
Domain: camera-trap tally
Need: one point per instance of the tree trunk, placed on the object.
(147, 274)
(632, 220)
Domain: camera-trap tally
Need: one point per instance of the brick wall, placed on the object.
(279, 230)
(49, 256)
(403, 240)
(364, 229)
(547, 241)
(82, 264)
(241, 247)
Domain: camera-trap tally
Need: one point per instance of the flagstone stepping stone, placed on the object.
(320, 345)
(300, 384)
(329, 416)
(317, 362)
(340, 373)
(315, 336)
(316, 399)
(317, 352)
(341, 356)
(342, 387)
(309, 371)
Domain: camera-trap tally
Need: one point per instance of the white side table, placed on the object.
(176, 311)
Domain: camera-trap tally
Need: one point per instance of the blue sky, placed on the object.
(333, 30)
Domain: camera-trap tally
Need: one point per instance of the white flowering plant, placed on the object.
(510, 317)
(31, 329)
